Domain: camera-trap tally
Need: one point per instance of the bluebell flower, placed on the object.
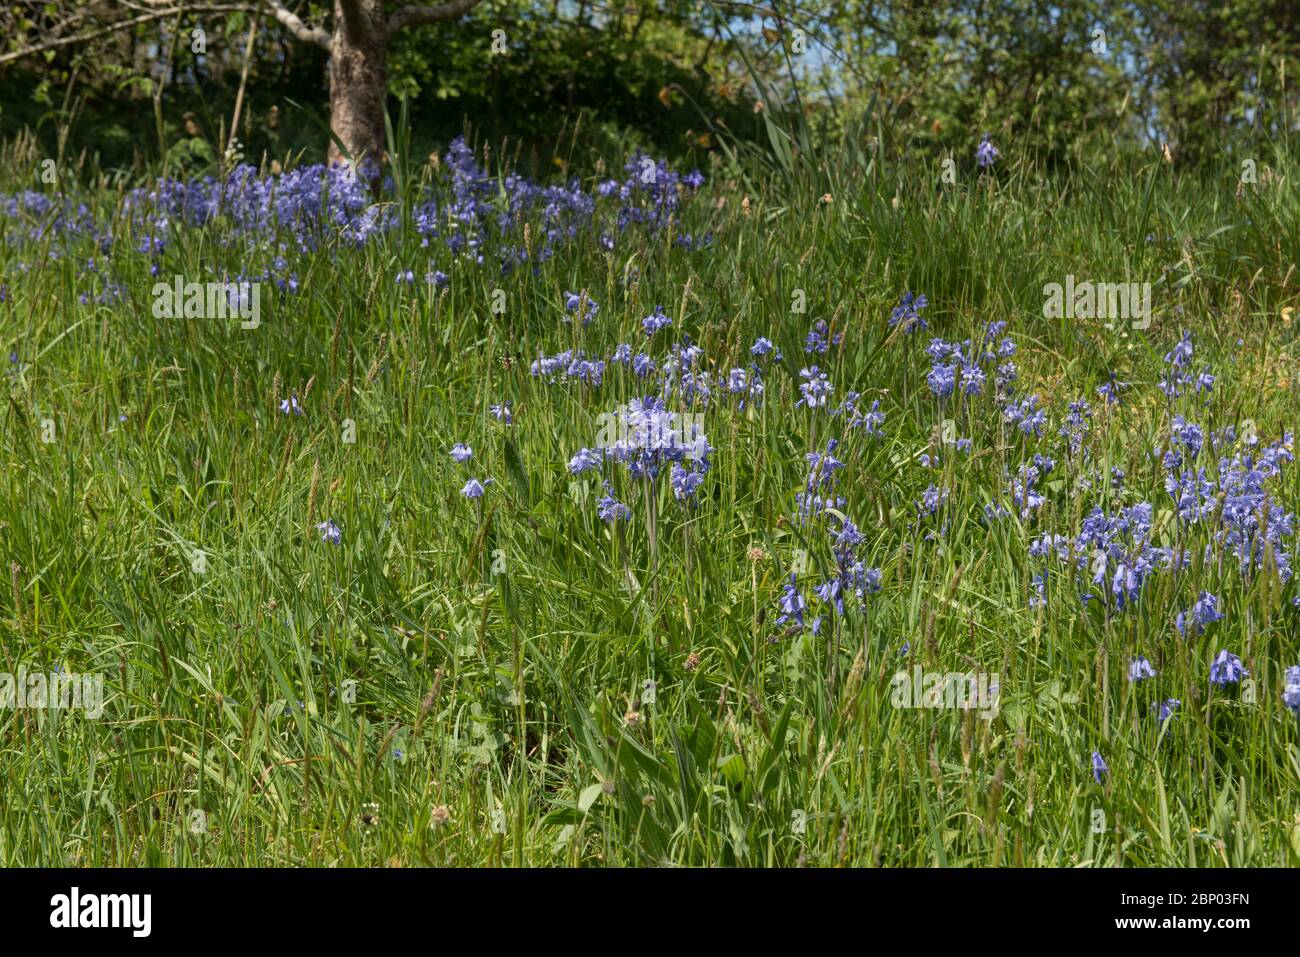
(1177, 377)
(1189, 435)
(1039, 585)
(1126, 583)
(1076, 425)
(1206, 609)
(931, 500)
(655, 321)
(908, 313)
(573, 300)
(1193, 494)
(569, 365)
(1139, 668)
(816, 389)
(942, 379)
(1252, 521)
(290, 405)
(1006, 377)
(830, 592)
(685, 481)
(584, 460)
(1165, 709)
(1181, 354)
(462, 453)
(649, 439)
(1026, 415)
(986, 152)
(819, 338)
(1291, 691)
(1110, 390)
(610, 509)
(1048, 544)
(1226, 669)
(871, 420)
(330, 532)
(792, 603)
(1204, 612)
(992, 329)
(1116, 549)
(994, 511)
(1024, 492)
(1099, 766)
(473, 489)
(823, 466)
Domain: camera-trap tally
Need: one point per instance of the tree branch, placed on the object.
(295, 25)
(126, 25)
(414, 16)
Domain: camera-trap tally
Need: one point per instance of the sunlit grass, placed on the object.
(463, 682)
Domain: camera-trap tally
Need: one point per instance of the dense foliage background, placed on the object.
(1203, 76)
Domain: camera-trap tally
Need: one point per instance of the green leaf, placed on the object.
(590, 794)
(515, 466)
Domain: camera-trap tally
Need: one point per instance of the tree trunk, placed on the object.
(358, 80)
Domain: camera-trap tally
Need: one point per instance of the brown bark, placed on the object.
(358, 80)
(357, 41)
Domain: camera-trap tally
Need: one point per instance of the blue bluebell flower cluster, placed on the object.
(462, 217)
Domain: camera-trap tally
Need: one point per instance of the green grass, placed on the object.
(498, 646)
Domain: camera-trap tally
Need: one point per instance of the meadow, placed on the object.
(587, 518)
